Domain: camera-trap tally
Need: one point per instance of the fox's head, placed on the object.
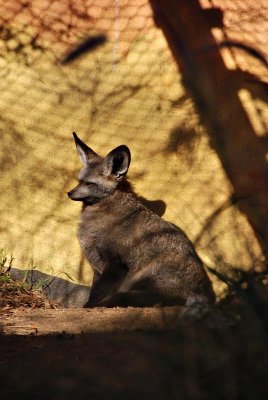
(100, 176)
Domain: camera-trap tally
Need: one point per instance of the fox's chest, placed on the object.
(90, 236)
(98, 243)
(107, 231)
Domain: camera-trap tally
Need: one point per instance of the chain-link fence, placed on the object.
(106, 71)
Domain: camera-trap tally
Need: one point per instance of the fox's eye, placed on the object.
(90, 183)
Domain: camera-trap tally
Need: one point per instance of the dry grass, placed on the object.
(17, 294)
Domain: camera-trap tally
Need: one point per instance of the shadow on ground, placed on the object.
(208, 359)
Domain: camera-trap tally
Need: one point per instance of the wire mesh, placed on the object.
(122, 86)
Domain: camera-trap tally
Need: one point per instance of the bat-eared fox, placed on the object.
(138, 259)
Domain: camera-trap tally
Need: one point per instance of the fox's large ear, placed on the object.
(85, 153)
(117, 162)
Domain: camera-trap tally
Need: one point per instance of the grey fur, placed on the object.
(138, 259)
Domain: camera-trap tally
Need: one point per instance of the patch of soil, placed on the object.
(191, 362)
(223, 355)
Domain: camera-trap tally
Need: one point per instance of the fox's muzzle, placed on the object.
(70, 194)
(74, 194)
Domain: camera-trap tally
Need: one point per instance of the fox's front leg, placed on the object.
(94, 289)
(105, 284)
